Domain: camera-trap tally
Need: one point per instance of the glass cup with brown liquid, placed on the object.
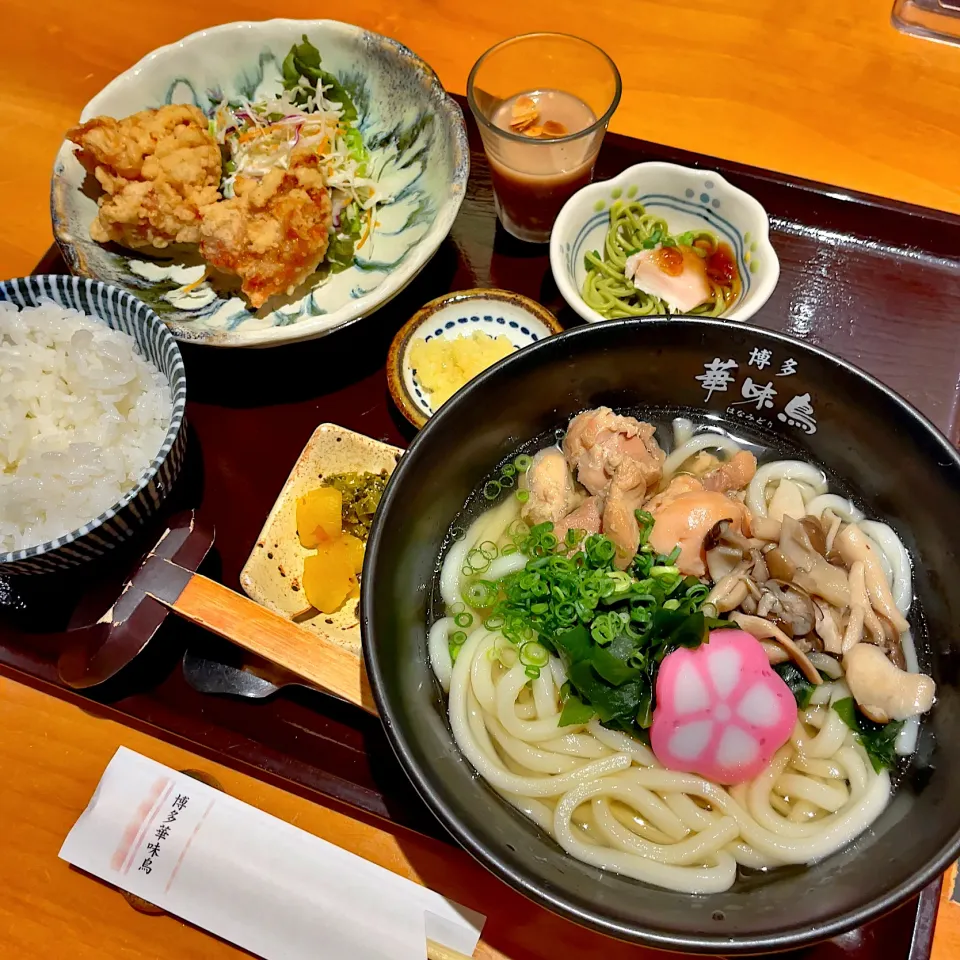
(542, 102)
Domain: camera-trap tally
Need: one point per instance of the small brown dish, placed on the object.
(494, 312)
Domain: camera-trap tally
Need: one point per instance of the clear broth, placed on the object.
(911, 771)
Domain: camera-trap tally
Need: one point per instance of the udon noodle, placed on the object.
(601, 793)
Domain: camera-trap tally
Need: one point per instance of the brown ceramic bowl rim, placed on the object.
(405, 403)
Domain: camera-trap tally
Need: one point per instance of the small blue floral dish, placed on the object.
(416, 154)
(493, 312)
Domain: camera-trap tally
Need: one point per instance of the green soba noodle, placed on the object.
(606, 288)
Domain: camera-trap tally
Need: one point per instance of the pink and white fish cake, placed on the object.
(722, 711)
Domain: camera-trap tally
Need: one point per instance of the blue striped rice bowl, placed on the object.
(121, 311)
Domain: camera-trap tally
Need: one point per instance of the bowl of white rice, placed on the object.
(92, 396)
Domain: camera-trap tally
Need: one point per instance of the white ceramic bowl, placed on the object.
(688, 200)
(415, 133)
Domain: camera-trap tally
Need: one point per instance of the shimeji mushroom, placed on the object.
(882, 690)
(765, 630)
(853, 546)
(798, 559)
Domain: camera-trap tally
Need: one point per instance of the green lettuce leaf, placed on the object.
(303, 63)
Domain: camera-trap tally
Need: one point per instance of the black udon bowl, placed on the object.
(869, 439)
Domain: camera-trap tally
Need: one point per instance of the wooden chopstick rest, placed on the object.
(236, 618)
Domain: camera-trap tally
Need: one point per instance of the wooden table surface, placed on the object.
(52, 756)
(819, 89)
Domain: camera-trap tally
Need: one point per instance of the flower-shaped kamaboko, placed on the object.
(721, 710)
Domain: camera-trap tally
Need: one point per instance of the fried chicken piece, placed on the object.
(273, 232)
(157, 168)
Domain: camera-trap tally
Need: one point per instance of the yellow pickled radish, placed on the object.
(329, 577)
(354, 547)
(319, 516)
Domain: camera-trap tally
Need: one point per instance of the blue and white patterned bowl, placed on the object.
(416, 134)
(121, 311)
(688, 200)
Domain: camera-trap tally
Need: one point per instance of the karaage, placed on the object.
(273, 232)
(157, 169)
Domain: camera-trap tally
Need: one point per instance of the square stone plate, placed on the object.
(271, 576)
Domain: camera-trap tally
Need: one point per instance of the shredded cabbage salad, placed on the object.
(313, 112)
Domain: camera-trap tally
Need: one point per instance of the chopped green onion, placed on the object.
(533, 654)
(662, 571)
(646, 522)
(532, 672)
(606, 627)
(518, 529)
(540, 542)
(599, 550)
(488, 549)
(495, 621)
(565, 613)
(574, 536)
(508, 550)
(673, 556)
(476, 561)
(507, 481)
(509, 470)
(671, 604)
(457, 533)
(480, 594)
(523, 495)
(463, 619)
(456, 641)
(523, 463)
(457, 607)
(699, 591)
(492, 489)
(621, 581)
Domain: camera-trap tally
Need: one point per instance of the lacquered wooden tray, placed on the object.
(872, 280)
